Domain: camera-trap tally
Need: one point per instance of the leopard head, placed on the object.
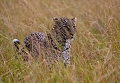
(66, 27)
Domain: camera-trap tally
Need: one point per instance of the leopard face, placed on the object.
(64, 29)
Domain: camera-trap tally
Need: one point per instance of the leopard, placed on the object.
(53, 46)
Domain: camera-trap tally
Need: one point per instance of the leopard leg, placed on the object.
(66, 59)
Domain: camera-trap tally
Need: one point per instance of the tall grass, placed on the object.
(95, 52)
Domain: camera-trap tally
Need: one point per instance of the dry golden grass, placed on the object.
(95, 55)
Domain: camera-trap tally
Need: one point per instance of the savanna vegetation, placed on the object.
(95, 52)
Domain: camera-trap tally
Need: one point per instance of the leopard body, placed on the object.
(53, 46)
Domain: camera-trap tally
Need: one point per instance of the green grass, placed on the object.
(95, 52)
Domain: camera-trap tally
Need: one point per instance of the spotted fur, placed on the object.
(53, 46)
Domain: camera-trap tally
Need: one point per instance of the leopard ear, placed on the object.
(74, 19)
(55, 19)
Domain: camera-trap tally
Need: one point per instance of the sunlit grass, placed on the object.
(95, 52)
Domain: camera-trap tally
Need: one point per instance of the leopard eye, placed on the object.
(68, 29)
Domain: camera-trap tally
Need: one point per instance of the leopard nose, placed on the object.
(71, 37)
